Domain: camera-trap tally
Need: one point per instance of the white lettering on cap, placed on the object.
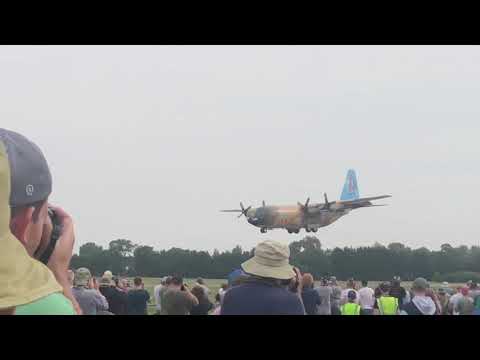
(29, 190)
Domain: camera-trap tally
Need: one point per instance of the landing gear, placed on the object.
(263, 230)
(307, 229)
(314, 229)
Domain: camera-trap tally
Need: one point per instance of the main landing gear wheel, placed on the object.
(296, 231)
(307, 229)
(314, 230)
(263, 230)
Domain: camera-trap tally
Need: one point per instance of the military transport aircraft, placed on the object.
(308, 216)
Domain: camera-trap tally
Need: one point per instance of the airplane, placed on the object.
(308, 216)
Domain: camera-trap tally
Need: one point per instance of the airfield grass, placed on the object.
(215, 284)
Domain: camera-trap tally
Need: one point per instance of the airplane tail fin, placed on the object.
(350, 188)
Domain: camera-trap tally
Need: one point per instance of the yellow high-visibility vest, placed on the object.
(350, 309)
(387, 305)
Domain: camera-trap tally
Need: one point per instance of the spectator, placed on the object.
(366, 299)
(201, 283)
(448, 290)
(156, 295)
(474, 290)
(350, 307)
(350, 286)
(86, 293)
(476, 310)
(431, 294)
(161, 294)
(178, 300)
(310, 297)
(31, 214)
(399, 292)
(137, 298)
(108, 275)
(120, 285)
(117, 300)
(266, 290)
(234, 275)
(325, 294)
(386, 304)
(336, 296)
(33, 289)
(222, 290)
(443, 299)
(464, 305)
(218, 305)
(204, 304)
(453, 301)
(420, 304)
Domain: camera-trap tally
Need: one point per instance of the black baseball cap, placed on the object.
(31, 180)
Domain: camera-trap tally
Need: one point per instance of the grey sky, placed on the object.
(148, 143)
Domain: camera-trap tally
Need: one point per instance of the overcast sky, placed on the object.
(150, 142)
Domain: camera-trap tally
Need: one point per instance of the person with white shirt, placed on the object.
(350, 287)
(156, 295)
(453, 301)
(366, 299)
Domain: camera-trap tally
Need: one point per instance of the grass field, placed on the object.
(215, 284)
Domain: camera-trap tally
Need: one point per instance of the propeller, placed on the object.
(327, 204)
(263, 203)
(304, 207)
(242, 211)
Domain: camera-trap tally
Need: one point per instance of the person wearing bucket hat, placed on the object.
(420, 303)
(90, 299)
(45, 231)
(266, 290)
(117, 300)
(28, 286)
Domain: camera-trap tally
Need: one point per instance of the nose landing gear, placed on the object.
(263, 230)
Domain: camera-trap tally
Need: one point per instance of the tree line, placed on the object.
(375, 262)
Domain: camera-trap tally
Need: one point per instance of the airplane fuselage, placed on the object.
(292, 218)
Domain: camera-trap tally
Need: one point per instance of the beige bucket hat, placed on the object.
(270, 261)
(82, 277)
(23, 278)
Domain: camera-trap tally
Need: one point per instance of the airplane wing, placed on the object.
(362, 200)
(350, 204)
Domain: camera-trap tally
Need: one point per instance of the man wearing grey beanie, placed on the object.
(45, 231)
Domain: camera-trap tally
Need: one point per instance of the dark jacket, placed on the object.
(202, 308)
(117, 300)
(311, 299)
(261, 298)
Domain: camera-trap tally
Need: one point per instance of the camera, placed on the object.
(56, 232)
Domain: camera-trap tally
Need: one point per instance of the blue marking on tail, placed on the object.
(350, 189)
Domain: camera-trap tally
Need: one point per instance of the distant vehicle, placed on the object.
(308, 216)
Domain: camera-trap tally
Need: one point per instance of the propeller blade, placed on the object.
(231, 210)
(326, 198)
(306, 203)
(263, 203)
(241, 206)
